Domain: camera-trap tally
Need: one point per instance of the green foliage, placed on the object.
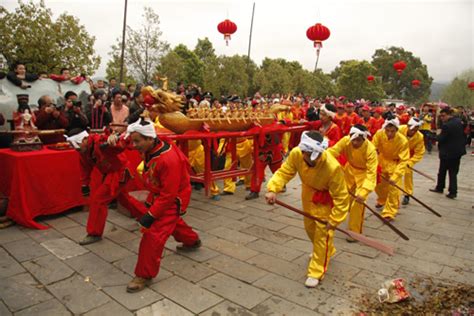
(399, 86)
(232, 77)
(351, 80)
(30, 35)
(113, 70)
(457, 92)
(143, 47)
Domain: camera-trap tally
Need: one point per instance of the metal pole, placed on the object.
(250, 35)
(123, 40)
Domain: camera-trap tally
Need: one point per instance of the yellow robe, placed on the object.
(326, 175)
(360, 173)
(416, 145)
(393, 157)
(285, 139)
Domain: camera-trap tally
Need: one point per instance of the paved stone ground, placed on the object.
(253, 261)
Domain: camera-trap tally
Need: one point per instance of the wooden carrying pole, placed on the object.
(390, 225)
(411, 195)
(363, 239)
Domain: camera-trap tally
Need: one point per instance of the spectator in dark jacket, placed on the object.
(74, 113)
(97, 113)
(50, 117)
(452, 146)
(19, 77)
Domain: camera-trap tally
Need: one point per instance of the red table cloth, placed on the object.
(40, 182)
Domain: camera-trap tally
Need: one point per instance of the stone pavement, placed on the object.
(253, 260)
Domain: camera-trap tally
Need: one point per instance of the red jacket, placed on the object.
(404, 118)
(166, 176)
(48, 121)
(371, 125)
(355, 119)
(378, 124)
(106, 158)
(343, 122)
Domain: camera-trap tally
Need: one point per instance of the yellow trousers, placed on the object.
(389, 196)
(409, 181)
(246, 163)
(228, 185)
(354, 181)
(285, 141)
(320, 236)
(196, 159)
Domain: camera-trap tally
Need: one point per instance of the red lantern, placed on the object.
(370, 78)
(415, 83)
(399, 66)
(471, 85)
(318, 33)
(227, 27)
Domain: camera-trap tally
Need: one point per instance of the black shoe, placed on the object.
(406, 200)
(85, 190)
(435, 190)
(240, 182)
(379, 206)
(451, 196)
(284, 189)
(113, 205)
(227, 193)
(90, 239)
(252, 195)
(198, 186)
(194, 246)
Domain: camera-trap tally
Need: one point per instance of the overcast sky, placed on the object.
(440, 32)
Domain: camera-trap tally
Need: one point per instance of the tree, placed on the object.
(232, 77)
(143, 47)
(30, 35)
(352, 81)
(113, 70)
(273, 77)
(457, 93)
(181, 64)
(399, 86)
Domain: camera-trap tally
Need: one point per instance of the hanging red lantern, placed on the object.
(471, 85)
(370, 78)
(399, 66)
(227, 27)
(318, 33)
(415, 83)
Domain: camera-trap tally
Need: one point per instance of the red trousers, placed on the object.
(260, 166)
(154, 240)
(109, 190)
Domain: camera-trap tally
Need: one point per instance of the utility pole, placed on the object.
(123, 40)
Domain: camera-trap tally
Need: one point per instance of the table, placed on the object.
(40, 182)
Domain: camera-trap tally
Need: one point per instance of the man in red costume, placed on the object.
(326, 125)
(402, 115)
(166, 176)
(102, 152)
(368, 120)
(342, 120)
(352, 115)
(270, 154)
(378, 119)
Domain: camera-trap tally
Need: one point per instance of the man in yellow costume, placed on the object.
(360, 171)
(416, 145)
(393, 155)
(324, 195)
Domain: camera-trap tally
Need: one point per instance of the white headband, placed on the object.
(395, 122)
(325, 110)
(76, 140)
(145, 130)
(307, 144)
(412, 123)
(355, 132)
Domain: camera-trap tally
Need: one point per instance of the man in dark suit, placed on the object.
(452, 146)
